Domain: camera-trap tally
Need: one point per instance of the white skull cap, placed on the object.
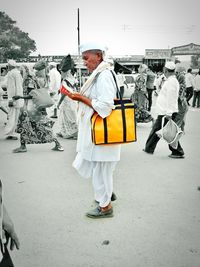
(12, 62)
(170, 65)
(92, 46)
(53, 64)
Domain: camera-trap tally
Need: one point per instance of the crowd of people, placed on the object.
(73, 108)
(34, 125)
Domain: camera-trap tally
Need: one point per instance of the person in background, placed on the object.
(159, 82)
(139, 96)
(166, 105)
(1, 102)
(96, 95)
(68, 108)
(196, 97)
(29, 82)
(7, 234)
(54, 86)
(34, 126)
(189, 80)
(3, 78)
(14, 87)
(182, 102)
(150, 85)
(121, 81)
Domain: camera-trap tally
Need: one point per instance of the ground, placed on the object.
(156, 216)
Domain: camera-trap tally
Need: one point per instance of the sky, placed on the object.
(126, 27)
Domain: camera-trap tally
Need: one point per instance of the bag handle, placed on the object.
(178, 132)
(119, 95)
(68, 83)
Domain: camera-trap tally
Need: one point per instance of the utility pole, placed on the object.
(78, 29)
(79, 54)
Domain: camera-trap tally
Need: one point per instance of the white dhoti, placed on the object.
(102, 177)
(13, 116)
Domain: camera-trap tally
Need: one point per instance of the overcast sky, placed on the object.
(127, 27)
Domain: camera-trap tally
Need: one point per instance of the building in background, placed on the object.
(157, 58)
(130, 62)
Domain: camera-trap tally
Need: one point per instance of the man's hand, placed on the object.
(73, 95)
(12, 239)
(8, 226)
(16, 97)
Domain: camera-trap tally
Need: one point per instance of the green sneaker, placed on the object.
(98, 213)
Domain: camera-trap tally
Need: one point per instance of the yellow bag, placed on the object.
(117, 128)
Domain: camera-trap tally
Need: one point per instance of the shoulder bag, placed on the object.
(117, 128)
(41, 98)
(170, 132)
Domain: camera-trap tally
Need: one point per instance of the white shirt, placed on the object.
(167, 101)
(55, 80)
(189, 80)
(102, 93)
(197, 82)
(159, 82)
(14, 86)
(120, 79)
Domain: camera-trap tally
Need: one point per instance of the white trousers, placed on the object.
(102, 177)
(13, 115)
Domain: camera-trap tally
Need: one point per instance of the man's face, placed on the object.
(91, 59)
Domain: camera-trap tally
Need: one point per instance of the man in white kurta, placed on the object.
(95, 161)
(54, 86)
(14, 87)
(166, 106)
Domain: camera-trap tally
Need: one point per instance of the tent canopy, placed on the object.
(118, 67)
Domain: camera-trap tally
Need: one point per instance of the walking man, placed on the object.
(14, 87)
(189, 80)
(54, 86)
(166, 105)
(150, 85)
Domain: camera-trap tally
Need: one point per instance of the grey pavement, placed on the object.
(157, 213)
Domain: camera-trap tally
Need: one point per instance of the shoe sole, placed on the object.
(20, 151)
(56, 149)
(174, 157)
(12, 138)
(100, 217)
(151, 153)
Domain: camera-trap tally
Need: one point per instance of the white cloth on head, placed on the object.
(53, 64)
(170, 65)
(12, 63)
(92, 46)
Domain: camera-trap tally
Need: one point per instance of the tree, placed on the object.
(14, 43)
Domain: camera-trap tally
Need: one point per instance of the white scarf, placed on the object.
(102, 66)
(85, 89)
